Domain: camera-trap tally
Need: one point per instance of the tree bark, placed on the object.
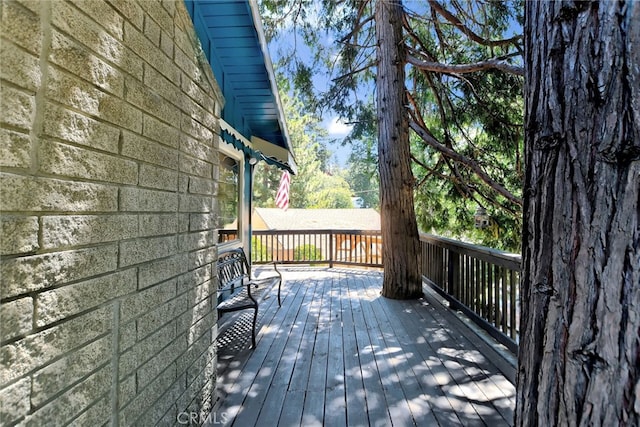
(401, 247)
(579, 361)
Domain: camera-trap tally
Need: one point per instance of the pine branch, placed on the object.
(463, 188)
(493, 201)
(355, 30)
(431, 171)
(351, 73)
(470, 163)
(467, 31)
(489, 64)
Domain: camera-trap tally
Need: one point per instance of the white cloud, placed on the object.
(337, 128)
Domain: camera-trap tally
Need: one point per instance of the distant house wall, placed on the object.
(108, 129)
(257, 222)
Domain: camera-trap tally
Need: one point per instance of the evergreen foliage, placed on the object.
(259, 252)
(307, 253)
(464, 100)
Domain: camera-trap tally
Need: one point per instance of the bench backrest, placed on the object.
(232, 268)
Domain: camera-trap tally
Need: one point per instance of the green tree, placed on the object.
(326, 191)
(458, 53)
(468, 153)
(313, 186)
(307, 253)
(362, 172)
(259, 252)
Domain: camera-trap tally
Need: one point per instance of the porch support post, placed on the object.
(247, 204)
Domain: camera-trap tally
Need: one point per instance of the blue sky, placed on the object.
(337, 130)
(335, 127)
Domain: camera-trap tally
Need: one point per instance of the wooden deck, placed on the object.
(338, 354)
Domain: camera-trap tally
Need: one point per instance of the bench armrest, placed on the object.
(275, 278)
(268, 275)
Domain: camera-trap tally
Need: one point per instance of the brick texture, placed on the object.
(108, 149)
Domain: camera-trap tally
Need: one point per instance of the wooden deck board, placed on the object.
(291, 414)
(401, 360)
(377, 407)
(459, 353)
(447, 370)
(337, 353)
(355, 393)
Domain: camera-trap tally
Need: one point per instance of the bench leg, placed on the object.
(253, 329)
(279, 285)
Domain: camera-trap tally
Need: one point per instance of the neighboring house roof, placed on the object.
(231, 35)
(316, 219)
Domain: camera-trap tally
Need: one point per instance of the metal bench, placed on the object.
(235, 283)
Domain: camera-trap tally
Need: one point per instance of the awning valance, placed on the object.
(274, 153)
(258, 148)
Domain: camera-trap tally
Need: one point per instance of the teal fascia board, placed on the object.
(235, 48)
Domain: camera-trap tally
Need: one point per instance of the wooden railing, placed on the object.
(480, 281)
(346, 247)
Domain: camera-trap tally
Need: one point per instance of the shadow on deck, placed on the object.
(338, 354)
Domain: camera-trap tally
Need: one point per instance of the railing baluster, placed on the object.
(503, 297)
(463, 279)
(331, 249)
(496, 297)
(476, 286)
(453, 273)
(470, 277)
(513, 287)
(485, 289)
(490, 281)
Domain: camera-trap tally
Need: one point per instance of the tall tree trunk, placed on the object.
(401, 247)
(579, 361)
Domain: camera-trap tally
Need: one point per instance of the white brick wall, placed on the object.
(108, 156)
